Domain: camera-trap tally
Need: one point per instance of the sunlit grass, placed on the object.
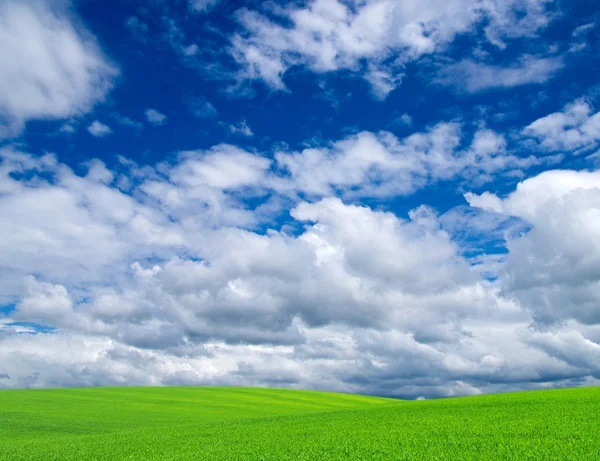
(241, 423)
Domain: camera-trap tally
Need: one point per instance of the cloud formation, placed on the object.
(330, 35)
(575, 128)
(158, 271)
(52, 66)
(553, 269)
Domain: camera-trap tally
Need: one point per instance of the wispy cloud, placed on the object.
(126, 121)
(138, 29)
(67, 76)
(203, 6)
(474, 76)
(154, 117)
(99, 129)
(330, 36)
(241, 128)
(201, 107)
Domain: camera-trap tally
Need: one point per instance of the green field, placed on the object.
(204, 423)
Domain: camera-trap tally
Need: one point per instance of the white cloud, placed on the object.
(383, 82)
(224, 167)
(241, 128)
(329, 35)
(485, 201)
(475, 76)
(52, 66)
(44, 302)
(99, 129)
(154, 117)
(369, 164)
(362, 165)
(69, 127)
(574, 128)
(285, 295)
(553, 269)
(584, 29)
(167, 283)
(85, 240)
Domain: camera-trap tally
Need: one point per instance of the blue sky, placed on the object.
(146, 42)
(375, 196)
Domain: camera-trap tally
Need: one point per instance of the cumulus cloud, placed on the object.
(330, 35)
(553, 269)
(44, 302)
(380, 164)
(362, 165)
(170, 274)
(53, 68)
(575, 128)
(223, 167)
(150, 277)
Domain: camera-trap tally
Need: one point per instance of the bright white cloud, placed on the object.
(167, 283)
(575, 128)
(369, 164)
(330, 35)
(362, 165)
(160, 286)
(224, 167)
(553, 269)
(52, 67)
(154, 117)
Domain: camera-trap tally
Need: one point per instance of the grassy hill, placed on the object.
(241, 423)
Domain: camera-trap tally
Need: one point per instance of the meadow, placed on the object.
(212, 423)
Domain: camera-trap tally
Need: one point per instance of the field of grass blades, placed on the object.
(227, 423)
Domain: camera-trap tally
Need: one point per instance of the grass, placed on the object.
(260, 424)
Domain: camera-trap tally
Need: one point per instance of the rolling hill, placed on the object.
(214, 423)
